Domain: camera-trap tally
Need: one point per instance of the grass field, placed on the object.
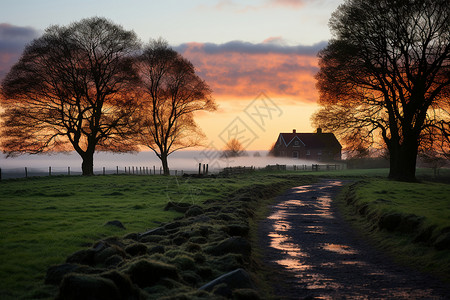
(43, 220)
(410, 221)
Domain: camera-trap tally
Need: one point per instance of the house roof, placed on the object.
(312, 140)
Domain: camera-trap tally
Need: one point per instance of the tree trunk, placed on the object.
(403, 158)
(87, 166)
(165, 164)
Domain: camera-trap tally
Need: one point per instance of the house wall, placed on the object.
(302, 152)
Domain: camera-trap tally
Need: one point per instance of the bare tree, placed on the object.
(172, 93)
(72, 89)
(233, 148)
(386, 73)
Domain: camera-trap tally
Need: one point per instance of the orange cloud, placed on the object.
(242, 70)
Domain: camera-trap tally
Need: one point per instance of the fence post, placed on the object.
(207, 167)
(26, 172)
(68, 171)
(49, 171)
(176, 173)
(154, 170)
(103, 171)
(0, 174)
(160, 170)
(199, 168)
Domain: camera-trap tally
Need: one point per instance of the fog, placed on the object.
(186, 161)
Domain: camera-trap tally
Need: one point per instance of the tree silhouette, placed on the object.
(233, 148)
(72, 88)
(386, 73)
(172, 93)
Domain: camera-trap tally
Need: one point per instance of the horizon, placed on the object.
(260, 67)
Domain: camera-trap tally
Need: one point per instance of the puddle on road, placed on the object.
(340, 249)
(293, 264)
(328, 270)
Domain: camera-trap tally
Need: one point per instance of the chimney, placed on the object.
(319, 130)
(294, 131)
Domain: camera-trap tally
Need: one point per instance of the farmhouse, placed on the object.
(317, 146)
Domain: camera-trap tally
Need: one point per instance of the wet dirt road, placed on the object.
(312, 253)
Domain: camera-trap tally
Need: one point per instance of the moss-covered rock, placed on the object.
(77, 286)
(136, 249)
(146, 272)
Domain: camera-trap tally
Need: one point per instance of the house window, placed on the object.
(296, 144)
(308, 152)
(295, 154)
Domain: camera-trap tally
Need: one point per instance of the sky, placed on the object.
(258, 56)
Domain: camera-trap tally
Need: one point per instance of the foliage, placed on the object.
(233, 149)
(172, 92)
(384, 77)
(72, 88)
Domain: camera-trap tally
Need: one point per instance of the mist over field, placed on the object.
(186, 161)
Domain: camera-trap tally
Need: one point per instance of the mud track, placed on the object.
(312, 253)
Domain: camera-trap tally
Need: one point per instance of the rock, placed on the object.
(132, 236)
(83, 257)
(156, 249)
(115, 223)
(245, 294)
(179, 240)
(173, 225)
(101, 256)
(155, 231)
(77, 286)
(237, 245)
(136, 249)
(113, 261)
(124, 284)
(238, 229)
(237, 279)
(56, 273)
(147, 272)
(194, 211)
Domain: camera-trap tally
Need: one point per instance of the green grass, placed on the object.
(43, 220)
(427, 199)
(428, 202)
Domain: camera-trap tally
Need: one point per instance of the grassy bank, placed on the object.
(409, 221)
(44, 220)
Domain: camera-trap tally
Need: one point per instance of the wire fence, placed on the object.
(203, 169)
(26, 172)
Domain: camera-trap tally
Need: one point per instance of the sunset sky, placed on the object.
(259, 57)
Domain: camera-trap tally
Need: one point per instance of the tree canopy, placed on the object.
(171, 93)
(384, 77)
(73, 88)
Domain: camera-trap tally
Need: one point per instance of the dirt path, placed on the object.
(314, 254)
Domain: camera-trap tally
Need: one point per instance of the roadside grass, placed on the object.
(409, 221)
(45, 219)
